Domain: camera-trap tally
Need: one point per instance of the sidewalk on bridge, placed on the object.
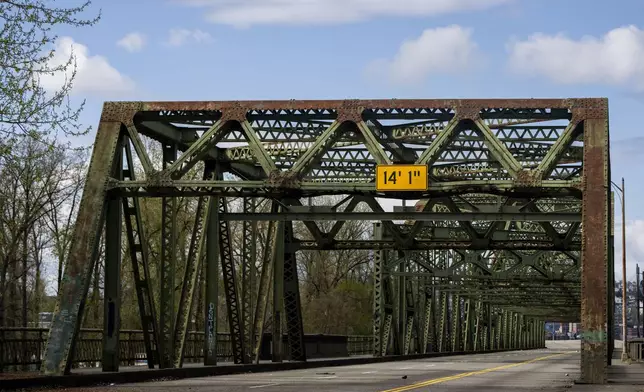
(622, 377)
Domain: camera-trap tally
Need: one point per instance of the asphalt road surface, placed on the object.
(535, 370)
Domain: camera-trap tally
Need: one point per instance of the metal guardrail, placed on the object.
(635, 348)
(23, 348)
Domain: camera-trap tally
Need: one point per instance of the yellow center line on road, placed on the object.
(468, 374)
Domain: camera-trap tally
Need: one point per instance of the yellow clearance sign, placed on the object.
(401, 178)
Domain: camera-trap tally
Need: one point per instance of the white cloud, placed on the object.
(94, 74)
(245, 13)
(441, 50)
(179, 37)
(132, 42)
(634, 246)
(616, 58)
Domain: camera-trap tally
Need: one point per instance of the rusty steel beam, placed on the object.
(595, 246)
(479, 160)
(83, 252)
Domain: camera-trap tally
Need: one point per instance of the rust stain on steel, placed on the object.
(352, 109)
(81, 260)
(594, 242)
(124, 110)
(466, 112)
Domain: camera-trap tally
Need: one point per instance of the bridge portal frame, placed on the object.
(111, 193)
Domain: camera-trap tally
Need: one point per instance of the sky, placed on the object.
(343, 49)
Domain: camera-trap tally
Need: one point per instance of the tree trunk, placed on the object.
(37, 261)
(24, 310)
(25, 254)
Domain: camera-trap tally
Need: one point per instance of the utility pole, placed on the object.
(637, 297)
(622, 191)
(624, 302)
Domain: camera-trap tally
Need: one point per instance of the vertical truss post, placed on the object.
(517, 332)
(492, 328)
(595, 247)
(249, 258)
(409, 311)
(496, 326)
(387, 292)
(469, 321)
(528, 327)
(441, 263)
(532, 336)
(230, 286)
(511, 330)
(529, 335)
(401, 306)
(140, 267)
(456, 323)
(419, 302)
(83, 252)
(498, 329)
(487, 344)
(212, 280)
(500, 324)
(278, 293)
(264, 284)
(506, 329)
(478, 328)
(521, 336)
(112, 291)
(536, 330)
(442, 338)
(428, 327)
(514, 329)
(194, 265)
(378, 297)
(292, 304)
(533, 331)
(533, 340)
(168, 265)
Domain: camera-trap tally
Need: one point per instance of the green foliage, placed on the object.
(26, 38)
(345, 310)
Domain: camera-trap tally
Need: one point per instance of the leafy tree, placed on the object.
(26, 37)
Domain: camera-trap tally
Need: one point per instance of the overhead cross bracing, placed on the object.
(513, 228)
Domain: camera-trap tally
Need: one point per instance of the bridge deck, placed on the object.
(511, 371)
(553, 369)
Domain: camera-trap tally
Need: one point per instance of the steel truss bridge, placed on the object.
(513, 230)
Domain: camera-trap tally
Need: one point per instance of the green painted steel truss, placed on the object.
(513, 229)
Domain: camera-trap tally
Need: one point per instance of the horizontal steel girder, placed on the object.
(194, 188)
(288, 216)
(433, 244)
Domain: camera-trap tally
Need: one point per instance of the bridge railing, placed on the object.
(23, 348)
